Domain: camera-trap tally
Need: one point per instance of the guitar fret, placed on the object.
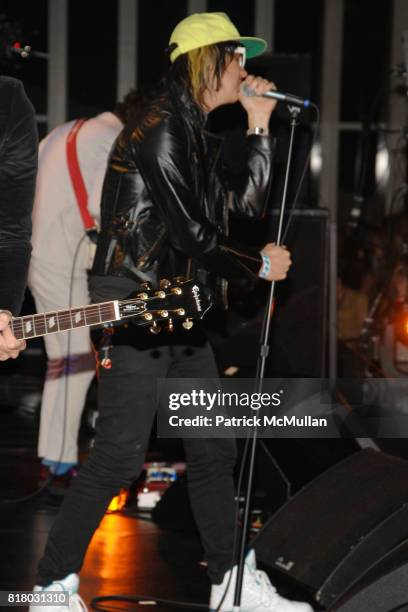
(78, 317)
(64, 320)
(92, 316)
(28, 326)
(51, 322)
(108, 312)
(40, 326)
(17, 328)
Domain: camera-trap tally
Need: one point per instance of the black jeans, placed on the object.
(127, 406)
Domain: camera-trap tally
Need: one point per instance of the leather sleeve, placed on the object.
(18, 168)
(251, 189)
(165, 164)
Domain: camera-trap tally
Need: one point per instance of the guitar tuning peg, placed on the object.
(164, 283)
(170, 326)
(155, 329)
(179, 280)
(187, 324)
(146, 286)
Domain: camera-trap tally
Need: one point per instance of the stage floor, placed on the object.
(127, 555)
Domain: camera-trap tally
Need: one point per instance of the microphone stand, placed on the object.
(260, 373)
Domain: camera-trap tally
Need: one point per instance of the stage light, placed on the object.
(401, 326)
(316, 159)
(382, 164)
(118, 502)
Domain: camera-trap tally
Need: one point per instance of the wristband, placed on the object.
(258, 131)
(266, 266)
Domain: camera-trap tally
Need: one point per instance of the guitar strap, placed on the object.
(77, 180)
(90, 226)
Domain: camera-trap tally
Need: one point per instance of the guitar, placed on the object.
(178, 299)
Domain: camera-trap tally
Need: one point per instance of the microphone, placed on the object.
(277, 95)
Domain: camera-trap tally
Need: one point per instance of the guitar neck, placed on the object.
(33, 326)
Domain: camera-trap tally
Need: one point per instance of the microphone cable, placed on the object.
(291, 209)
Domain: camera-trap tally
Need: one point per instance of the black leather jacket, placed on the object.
(166, 201)
(18, 168)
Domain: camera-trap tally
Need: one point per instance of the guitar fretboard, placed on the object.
(32, 326)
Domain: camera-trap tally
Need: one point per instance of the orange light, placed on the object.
(406, 326)
(118, 502)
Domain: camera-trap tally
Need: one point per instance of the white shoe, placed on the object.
(71, 584)
(258, 594)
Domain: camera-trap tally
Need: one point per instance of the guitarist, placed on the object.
(18, 168)
(71, 168)
(164, 213)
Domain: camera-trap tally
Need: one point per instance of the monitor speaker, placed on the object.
(344, 537)
(299, 330)
(382, 589)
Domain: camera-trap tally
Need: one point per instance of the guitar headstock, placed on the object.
(178, 299)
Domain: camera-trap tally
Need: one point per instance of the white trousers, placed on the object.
(70, 366)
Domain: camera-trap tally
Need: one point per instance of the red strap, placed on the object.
(76, 176)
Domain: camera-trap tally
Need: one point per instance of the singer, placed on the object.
(164, 214)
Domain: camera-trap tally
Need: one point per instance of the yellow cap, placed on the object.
(202, 29)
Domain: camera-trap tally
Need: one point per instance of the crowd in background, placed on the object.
(372, 295)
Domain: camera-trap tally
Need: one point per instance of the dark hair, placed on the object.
(201, 69)
(187, 79)
(130, 106)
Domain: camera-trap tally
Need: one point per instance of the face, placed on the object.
(231, 81)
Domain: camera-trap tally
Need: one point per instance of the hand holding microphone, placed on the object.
(273, 94)
(258, 107)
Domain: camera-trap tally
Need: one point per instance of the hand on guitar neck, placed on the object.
(10, 347)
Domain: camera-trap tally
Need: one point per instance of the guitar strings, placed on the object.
(104, 310)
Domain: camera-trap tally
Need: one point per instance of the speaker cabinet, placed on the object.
(345, 531)
(382, 589)
(299, 329)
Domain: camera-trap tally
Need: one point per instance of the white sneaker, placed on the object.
(71, 584)
(258, 594)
